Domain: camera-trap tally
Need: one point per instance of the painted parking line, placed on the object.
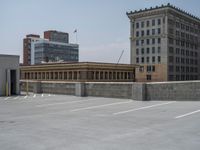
(71, 102)
(99, 106)
(25, 96)
(187, 114)
(16, 97)
(34, 95)
(42, 95)
(7, 98)
(141, 108)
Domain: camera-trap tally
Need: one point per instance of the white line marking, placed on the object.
(25, 96)
(34, 95)
(49, 95)
(141, 108)
(7, 98)
(188, 114)
(72, 102)
(42, 95)
(16, 97)
(98, 106)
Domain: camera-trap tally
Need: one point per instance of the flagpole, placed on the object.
(76, 37)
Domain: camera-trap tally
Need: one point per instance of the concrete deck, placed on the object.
(60, 122)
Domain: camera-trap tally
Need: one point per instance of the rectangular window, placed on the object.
(142, 32)
(148, 77)
(137, 60)
(153, 31)
(142, 51)
(171, 59)
(159, 31)
(153, 41)
(153, 22)
(153, 50)
(159, 21)
(137, 43)
(147, 50)
(159, 41)
(142, 24)
(159, 49)
(159, 59)
(171, 50)
(147, 23)
(137, 25)
(148, 32)
(148, 68)
(137, 34)
(153, 68)
(147, 59)
(137, 51)
(142, 60)
(147, 40)
(171, 68)
(153, 59)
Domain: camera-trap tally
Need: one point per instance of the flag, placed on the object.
(75, 30)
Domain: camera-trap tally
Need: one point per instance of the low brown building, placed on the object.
(79, 72)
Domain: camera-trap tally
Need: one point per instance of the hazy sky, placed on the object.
(103, 27)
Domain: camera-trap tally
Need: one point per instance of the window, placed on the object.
(147, 41)
(153, 41)
(153, 50)
(153, 68)
(147, 58)
(148, 32)
(142, 60)
(147, 50)
(137, 25)
(159, 21)
(171, 59)
(171, 68)
(171, 41)
(177, 24)
(159, 41)
(148, 68)
(148, 77)
(142, 50)
(159, 59)
(177, 60)
(159, 49)
(147, 23)
(153, 22)
(137, 34)
(177, 42)
(159, 30)
(153, 59)
(142, 33)
(177, 33)
(177, 69)
(137, 60)
(142, 24)
(137, 43)
(153, 31)
(171, 50)
(137, 51)
(177, 51)
(142, 42)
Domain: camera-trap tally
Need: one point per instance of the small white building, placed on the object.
(9, 75)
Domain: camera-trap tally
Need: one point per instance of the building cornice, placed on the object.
(163, 7)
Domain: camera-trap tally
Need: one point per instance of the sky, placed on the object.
(102, 25)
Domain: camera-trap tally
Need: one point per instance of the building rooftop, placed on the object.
(164, 6)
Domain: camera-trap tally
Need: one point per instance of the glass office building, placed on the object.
(48, 51)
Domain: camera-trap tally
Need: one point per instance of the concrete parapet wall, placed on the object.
(109, 89)
(184, 90)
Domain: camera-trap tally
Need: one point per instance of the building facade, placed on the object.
(56, 36)
(165, 42)
(79, 72)
(53, 48)
(9, 75)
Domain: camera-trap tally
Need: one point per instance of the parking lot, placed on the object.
(60, 122)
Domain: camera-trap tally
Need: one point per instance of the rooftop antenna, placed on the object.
(120, 56)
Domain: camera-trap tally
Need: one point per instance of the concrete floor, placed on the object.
(60, 122)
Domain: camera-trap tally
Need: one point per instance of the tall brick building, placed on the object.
(165, 42)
